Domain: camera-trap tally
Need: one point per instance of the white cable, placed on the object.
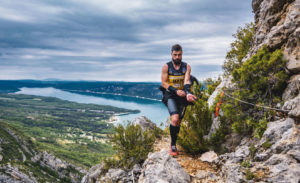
(256, 105)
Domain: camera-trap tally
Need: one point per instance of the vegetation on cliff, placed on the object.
(239, 48)
(131, 144)
(259, 80)
(17, 151)
(71, 131)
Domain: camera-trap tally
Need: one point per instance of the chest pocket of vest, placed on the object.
(176, 81)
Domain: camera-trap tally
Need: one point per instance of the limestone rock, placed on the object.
(161, 167)
(1, 157)
(46, 159)
(206, 176)
(93, 174)
(283, 169)
(225, 83)
(276, 129)
(214, 127)
(277, 24)
(209, 156)
(15, 175)
(293, 106)
(115, 175)
(216, 121)
(7, 179)
(277, 163)
(232, 172)
(96, 174)
(144, 122)
(293, 88)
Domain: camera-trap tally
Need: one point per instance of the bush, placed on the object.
(132, 145)
(195, 125)
(239, 48)
(211, 84)
(262, 77)
(260, 80)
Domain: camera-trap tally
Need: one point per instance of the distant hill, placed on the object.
(135, 89)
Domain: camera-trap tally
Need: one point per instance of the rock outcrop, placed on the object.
(158, 167)
(274, 158)
(144, 122)
(161, 167)
(277, 24)
(22, 161)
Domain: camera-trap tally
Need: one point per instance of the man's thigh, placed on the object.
(172, 106)
(176, 107)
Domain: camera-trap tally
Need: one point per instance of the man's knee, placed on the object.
(175, 120)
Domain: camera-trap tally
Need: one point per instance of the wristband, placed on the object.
(187, 88)
(172, 90)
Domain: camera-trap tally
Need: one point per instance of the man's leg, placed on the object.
(174, 128)
(174, 125)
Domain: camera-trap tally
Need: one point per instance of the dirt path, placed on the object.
(198, 170)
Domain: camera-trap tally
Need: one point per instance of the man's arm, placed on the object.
(164, 77)
(187, 78)
(187, 84)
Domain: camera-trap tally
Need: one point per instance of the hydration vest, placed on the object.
(176, 77)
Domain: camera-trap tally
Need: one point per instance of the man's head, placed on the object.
(176, 54)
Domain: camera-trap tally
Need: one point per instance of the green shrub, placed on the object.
(249, 175)
(211, 84)
(266, 144)
(246, 164)
(239, 48)
(111, 162)
(132, 145)
(260, 128)
(195, 125)
(262, 77)
(261, 81)
(218, 138)
(252, 150)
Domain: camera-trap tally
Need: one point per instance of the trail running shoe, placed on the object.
(173, 151)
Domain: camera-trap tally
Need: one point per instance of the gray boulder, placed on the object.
(293, 105)
(209, 156)
(292, 89)
(277, 25)
(161, 167)
(93, 174)
(14, 175)
(144, 122)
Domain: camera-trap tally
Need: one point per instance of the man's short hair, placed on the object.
(176, 47)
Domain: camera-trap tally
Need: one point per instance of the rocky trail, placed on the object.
(198, 170)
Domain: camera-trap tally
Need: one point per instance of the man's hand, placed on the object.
(191, 97)
(180, 93)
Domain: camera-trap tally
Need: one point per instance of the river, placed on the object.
(154, 110)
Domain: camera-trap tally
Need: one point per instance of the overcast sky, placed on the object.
(115, 40)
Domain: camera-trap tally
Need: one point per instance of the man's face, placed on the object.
(176, 57)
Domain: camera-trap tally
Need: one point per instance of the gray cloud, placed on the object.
(114, 39)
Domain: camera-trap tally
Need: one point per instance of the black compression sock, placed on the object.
(174, 130)
(177, 128)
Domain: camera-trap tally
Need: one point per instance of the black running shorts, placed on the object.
(175, 104)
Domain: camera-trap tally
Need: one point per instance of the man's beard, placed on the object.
(177, 61)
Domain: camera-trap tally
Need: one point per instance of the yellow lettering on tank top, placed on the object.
(176, 81)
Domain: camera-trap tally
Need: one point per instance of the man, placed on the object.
(175, 78)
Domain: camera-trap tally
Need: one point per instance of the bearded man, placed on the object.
(175, 78)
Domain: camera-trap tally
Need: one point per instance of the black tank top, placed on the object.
(176, 77)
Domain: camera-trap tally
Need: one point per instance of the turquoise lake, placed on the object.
(152, 109)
